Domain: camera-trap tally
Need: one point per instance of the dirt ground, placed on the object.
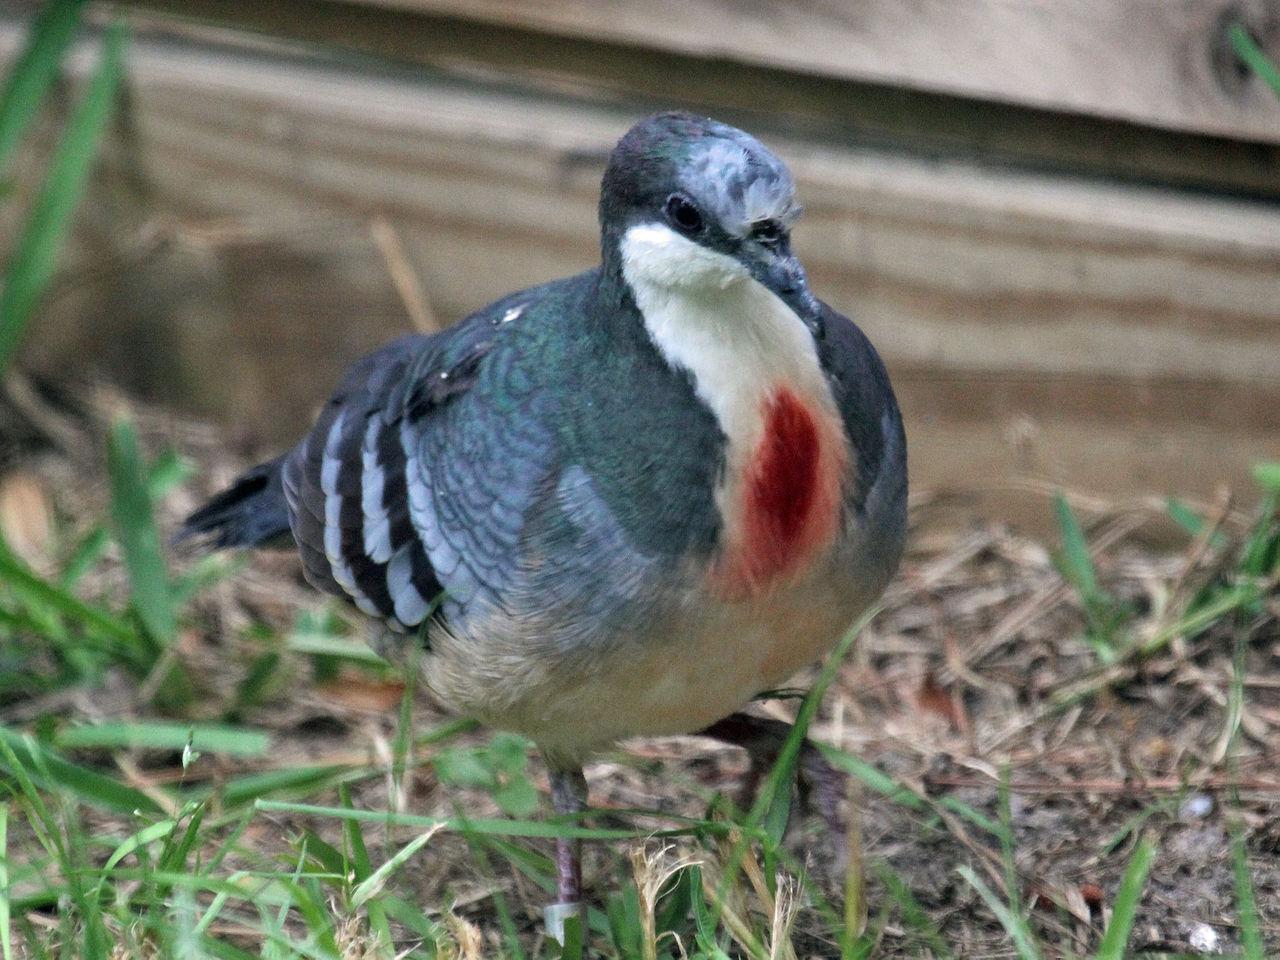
(956, 681)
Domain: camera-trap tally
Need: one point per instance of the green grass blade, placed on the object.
(1255, 58)
(1267, 475)
(34, 71)
(1004, 802)
(774, 800)
(1012, 921)
(1168, 806)
(321, 644)
(361, 869)
(218, 902)
(768, 816)
(1076, 564)
(229, 845)
(358, 853)
(292, 781)
(495, 827)
(167, 471)
(1191, 521)
(1246, 902)
(40, 593)
(371, 885)
(902, 795)
(175, 855)
(147, 835)
(88, 552)
(330, 863)
(1208, 613)
(871, 777)
(1116, 936)
(1260, 556)
(416, 922)
(51, 771)
(704, 922)
(155, 735)
(40, 819)
(135, 529)
(6, 945)
(914, 916)
(200, 576)
(572, 949)
(31, 265)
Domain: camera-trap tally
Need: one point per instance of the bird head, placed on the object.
(696, 205)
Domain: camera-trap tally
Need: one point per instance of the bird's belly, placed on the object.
(713, 663)
(678, 673)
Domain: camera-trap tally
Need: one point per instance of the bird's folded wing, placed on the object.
(385, 500)
(860, 386)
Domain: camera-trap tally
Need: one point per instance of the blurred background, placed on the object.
(1060, 223)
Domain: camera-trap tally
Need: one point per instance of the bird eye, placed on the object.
(682, 213)
(768, 232)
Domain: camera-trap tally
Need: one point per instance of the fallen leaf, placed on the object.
(26, 518)
(1050, 898)
(358, 693)
(934, 698)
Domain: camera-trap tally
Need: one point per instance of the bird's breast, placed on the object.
(754, 364)
(782, 498)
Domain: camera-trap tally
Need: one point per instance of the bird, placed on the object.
(622, 503)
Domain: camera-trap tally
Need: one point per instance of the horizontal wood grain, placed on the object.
(764, 97)
(1159, 62)
(1117, 338)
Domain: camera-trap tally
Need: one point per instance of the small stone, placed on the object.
(1196, 807)
(1203, 938)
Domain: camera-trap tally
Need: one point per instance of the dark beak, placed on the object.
(784, 275)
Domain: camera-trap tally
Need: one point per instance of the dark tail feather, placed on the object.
(250, 513)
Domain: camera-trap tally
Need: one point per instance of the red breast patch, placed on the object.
(789, 506)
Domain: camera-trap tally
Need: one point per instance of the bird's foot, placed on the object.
(568, 795)
(821, 786)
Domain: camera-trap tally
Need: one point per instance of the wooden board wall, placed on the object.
(572, 65)
(1117, 338)
(1165, 63)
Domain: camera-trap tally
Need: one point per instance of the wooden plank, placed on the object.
(1117, 338)
(760, 97)
(1164, 63)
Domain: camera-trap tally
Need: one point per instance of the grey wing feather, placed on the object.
(404, 493)
(416, 481)
(346, 489)
(872, 421)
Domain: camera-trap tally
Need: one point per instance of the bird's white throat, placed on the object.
(707, 315)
